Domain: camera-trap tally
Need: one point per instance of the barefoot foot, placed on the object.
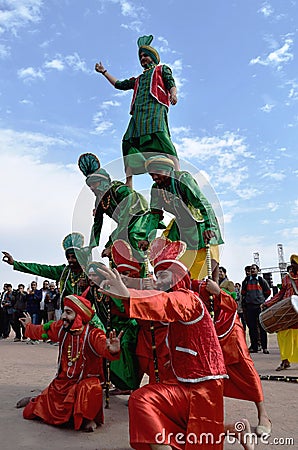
(264, 426)
(245, 436)
(23, 402)
(90, 426)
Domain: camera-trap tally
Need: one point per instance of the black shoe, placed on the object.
(265, 351)
(253, 350)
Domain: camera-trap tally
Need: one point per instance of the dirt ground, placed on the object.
(27, 369)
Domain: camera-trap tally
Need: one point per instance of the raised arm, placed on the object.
(100, 69)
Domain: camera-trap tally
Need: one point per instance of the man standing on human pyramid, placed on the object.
(148, 131)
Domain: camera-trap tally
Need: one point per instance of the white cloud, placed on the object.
(295, 207)
(101, 125)
(4, 51)
(37, 198)
(277, 57)
(15, 14)
(110, 103)
(134, 25)
(29, 74)
(180, 130)
(272, 206)
(289, 233)
(267, 108)
(277, 176)
(75, 62)
(225, 156)
(266, 9)
(26, 102)
(129, 10)
(229, 145)
(55, 64)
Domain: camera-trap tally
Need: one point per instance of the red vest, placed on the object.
(157, 88)
(225, 308)
(195, 351)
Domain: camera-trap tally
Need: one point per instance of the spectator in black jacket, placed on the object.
(51, 301)
(2, 312)
(33, 302)
(255, 290)
(7, 303)
(20, 306)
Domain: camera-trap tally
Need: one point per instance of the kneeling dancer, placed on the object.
(75, 394)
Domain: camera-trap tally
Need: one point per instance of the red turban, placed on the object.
(83, 309)
(164, 255)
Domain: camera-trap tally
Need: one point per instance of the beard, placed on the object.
(165, 287)
(67, 325)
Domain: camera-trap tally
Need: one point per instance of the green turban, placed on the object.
(145, 47)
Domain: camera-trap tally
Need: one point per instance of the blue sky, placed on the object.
(236, 120)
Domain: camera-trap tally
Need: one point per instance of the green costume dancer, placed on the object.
(148, 130)
(124, 372)
(127, 207)
(71, 277)
(195, 223)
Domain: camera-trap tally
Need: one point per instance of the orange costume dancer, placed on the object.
(244, 382)
(151, 343)
(76, 392)
(179, 412)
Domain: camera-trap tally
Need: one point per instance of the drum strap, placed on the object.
(294, 286)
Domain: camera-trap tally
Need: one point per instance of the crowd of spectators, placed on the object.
(42, 304)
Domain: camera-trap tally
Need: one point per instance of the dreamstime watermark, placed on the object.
(247, 438)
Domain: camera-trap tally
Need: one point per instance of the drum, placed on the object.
(280, 316)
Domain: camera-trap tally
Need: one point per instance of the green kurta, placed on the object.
(124, 371)
(193, 213)
(129, 209)
(148, 130)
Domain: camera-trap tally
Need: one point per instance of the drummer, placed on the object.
(287, 339)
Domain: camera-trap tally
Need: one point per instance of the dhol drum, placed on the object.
(280, 316)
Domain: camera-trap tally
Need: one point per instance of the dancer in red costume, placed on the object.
(243, 382)
(178, 412)
(75, 393)
(152, 352)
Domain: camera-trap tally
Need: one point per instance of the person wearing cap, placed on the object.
(195, 222)
(244, 381)
(70, 277)
(151, 350)
(287, 339)
(75, 394)
(124, 372)
(189, 403)
(148, 130)
(127, 207)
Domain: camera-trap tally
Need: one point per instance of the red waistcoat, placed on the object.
(157, 88)
(195, 351)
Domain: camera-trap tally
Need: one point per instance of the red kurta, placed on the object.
(174, 412)
(144, 350)
(76, 391)
(244, 382)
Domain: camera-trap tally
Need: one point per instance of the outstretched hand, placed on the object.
(113, 341)
(112, 285)
(7, 258)
(99, 67)
(25, 320)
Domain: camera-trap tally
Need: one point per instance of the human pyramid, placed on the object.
(120, 322)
